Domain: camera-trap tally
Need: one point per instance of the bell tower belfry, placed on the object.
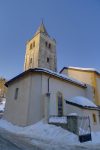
(41, 51)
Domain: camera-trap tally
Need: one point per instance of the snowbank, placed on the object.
(2, 105)
(42, 134)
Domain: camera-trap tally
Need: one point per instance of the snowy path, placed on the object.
(9, 141)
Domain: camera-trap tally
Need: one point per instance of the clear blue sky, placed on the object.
(75, 24)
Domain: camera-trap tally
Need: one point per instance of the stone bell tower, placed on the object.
(41, 51)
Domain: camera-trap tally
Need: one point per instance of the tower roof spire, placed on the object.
(41, 29)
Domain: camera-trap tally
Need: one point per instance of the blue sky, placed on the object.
(75, 24)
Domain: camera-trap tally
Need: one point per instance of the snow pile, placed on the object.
(58, 120)
(42, 132)
(2, 106)
(83, 101)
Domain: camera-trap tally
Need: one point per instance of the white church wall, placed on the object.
(68, 90)
(17, 109)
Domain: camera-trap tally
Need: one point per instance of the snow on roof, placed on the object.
(61, 76)
(85, 69)
(65, 77)
(56, 119)
(83, 101)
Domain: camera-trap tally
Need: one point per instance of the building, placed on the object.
(89, 76)
(40, 91)
(41, 51)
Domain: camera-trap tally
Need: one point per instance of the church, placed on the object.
(42, 92)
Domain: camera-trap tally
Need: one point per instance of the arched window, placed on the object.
(34, 44)
(60, 104)
(31, 46)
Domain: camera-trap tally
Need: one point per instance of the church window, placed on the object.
(46, 44)
(49, 46)
(94, 118)
(31, 46)
(48, 59)
(60, 104)
(16, 93)
(34, 44)
(30, 60)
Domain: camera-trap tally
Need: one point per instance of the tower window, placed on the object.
(16, 93)
(49, 46)
(30, 60)
(31, 46)
(48, 59)
(46, 44)
(34, 44)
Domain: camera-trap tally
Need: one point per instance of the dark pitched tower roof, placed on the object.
(41, 29)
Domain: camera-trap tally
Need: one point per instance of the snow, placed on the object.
(58, 120)
(42, 132)
(87, 69)
(2, 105)
(48, 136)
(82, 101)
(61, 76)
(72, 114)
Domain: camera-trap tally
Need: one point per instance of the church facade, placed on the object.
(40, 91)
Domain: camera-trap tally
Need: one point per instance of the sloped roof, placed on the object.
(49, 72)
(42, 29)
(82, 102)
(80, 68)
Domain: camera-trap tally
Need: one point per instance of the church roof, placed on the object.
(80, 68)
(41, 29)
(82, 102)
(49, 72)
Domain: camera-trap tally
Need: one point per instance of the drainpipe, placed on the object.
(47, 102)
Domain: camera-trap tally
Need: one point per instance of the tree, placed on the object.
(3, 88)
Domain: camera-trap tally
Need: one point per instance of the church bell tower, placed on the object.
(41, 51)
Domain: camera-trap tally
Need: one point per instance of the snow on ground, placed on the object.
(42, 133)
(2, 105)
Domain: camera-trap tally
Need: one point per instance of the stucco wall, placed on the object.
(16, 110)
(84, 76)
(36, 103)
(68, 90)
(98, 89)
(85, 112)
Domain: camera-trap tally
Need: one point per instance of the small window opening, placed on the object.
(31, 46)
(30, 60)
(48, 59)
(34, 44)
(46, 44)
(49, 45)
(16, 93)
(94, 118)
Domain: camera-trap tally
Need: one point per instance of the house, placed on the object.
(90, 76)
(81, 107)
(40, 91)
